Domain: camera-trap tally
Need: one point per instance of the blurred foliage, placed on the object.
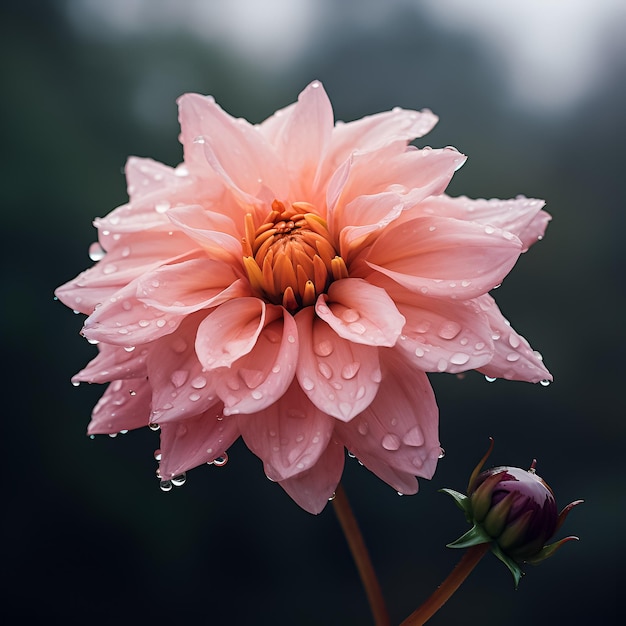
(90, 538)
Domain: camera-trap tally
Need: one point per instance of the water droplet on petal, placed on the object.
(490, 379)
(307, 384)
(179, 377)
(324, 348)
(414, 437)
(391, 442)
(442, 453)
(350, 370)
(179, 481)
(162, 206)
(449, 330)
(221, 460)
(96, 252)
(166, 485)
(363, 428)
(544, 383)
(459, 358)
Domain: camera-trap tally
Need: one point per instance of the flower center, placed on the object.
(290, 259)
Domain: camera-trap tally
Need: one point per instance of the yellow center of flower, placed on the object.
(289, 258)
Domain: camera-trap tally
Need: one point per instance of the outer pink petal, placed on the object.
(444, 257)
(360, 312)
(262, 376)
(125, 321)
(420, 173)
(441, 335)
(513, 358)
(374, 132)
(303, 139)
(189, 286)
(146, 177)
(125, 405)
(214, 232)
(181, 388)
(114, 363)
(400, 427)
(130, 258)
(230, 332)
(313, 488)
(289, 436)
(235, 149)
(340, 377)
(522, 216)
(201, 439)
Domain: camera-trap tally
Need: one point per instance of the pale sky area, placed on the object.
(556, 51)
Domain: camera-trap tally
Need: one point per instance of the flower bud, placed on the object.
(515, 510)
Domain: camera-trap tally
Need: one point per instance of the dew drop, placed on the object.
(490, 379)
(194, 397)
(256, 394)
(449, 330)
(324, 348)
(221, 460)
(442, 453)
(414, 437)
(391, 442)
(96, 252)
(514, 341)
(162, 206)
(363, 428)
(154, 427)
(307, 384)
(199, 382)
(512, 357)
(199, 139)
(166, 485)
(179, 481)
(459, 358)
(419, 351)
(179, 378)
(544, 383)
(325, 370)
(350, 370)
(157, 454)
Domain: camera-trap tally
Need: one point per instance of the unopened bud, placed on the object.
(515, 510)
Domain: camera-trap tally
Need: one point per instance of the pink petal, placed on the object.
(303, 139)
(399, 428)
(181, 388)
(146, 177)
(513, 358)
(131, 257)
(125, 321)
(125, 405)
(360, 312)
(289, 436)
(522, 216)
(313, 488)
(114, 363)
(189, 286)
(234, 148)
(441, 335)
(262, 376)
(229, 332)
(201, 439)
(445, 257)
(340, 377)
(374, 132)
(214, 232)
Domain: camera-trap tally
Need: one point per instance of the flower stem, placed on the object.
(361, 557)
(447, 588)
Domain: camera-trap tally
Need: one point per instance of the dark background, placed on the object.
(88, 536)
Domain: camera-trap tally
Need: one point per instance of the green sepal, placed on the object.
(514, 567)
(473, 537)
(461, 500)
(547, 551)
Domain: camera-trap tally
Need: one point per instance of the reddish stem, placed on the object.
(447, 588)
(361, 557)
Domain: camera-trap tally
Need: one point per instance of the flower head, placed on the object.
(292, 282)
(514, 509)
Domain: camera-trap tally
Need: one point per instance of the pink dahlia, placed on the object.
(292, 282)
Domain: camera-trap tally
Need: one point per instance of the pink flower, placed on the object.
(292, 282)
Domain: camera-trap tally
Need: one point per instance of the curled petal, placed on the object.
(114, 363)
(444, 257)
(399, 429)
(192, 442)
(262, 376)
(513, 357)
(235, 149)
(340, 377)
(289, 436)
(230, 332)
(123, 320)
(360, 312)
(313, 488)
(183, 388)
(129, 259)
(125, 405)
(189, 286)
(214, 232)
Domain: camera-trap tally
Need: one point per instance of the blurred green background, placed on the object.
(533, 92)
